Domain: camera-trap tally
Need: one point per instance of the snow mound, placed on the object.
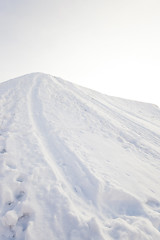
(76, 164)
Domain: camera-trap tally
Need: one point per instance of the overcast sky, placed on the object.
(112, 46)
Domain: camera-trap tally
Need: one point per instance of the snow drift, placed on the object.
(76, 164)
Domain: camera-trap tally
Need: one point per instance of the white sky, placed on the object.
(112, 46)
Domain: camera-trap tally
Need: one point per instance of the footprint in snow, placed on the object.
(154, 204)
(20, 195)
(10, 205)
(3, 151)
(23, 221)
(11, 165)
(20, 179)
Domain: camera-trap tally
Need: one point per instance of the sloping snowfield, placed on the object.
(76, 164)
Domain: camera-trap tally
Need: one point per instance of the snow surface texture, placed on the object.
(76, 164)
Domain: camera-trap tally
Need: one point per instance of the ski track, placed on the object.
(54, 148)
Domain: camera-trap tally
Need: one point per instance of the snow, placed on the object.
(76, 164)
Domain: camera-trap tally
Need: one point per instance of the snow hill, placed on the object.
(76, 164)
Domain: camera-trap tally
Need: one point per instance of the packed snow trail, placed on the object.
(76, 164)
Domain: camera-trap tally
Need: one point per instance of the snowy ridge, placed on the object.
(76, 164)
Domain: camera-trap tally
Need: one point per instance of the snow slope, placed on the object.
(76, 164)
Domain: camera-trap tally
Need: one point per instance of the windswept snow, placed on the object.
(76, 164)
